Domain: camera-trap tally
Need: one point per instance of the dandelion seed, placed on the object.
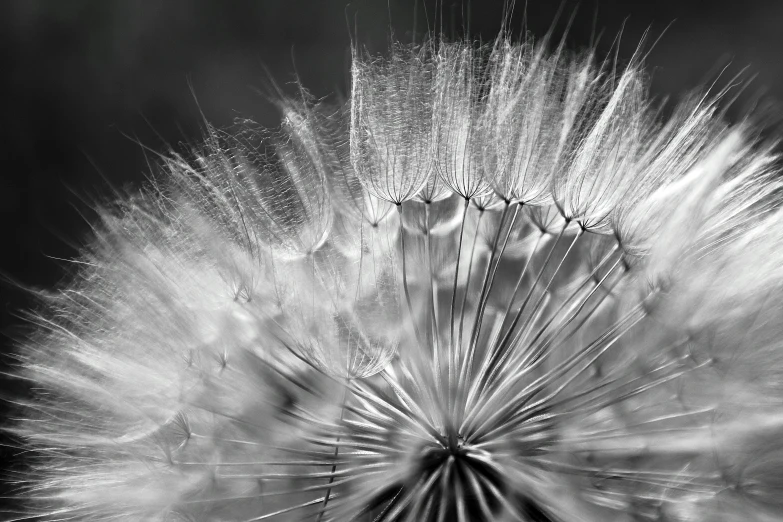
(590, 330)
(457, 119)
(524, 119)
(391, 123)
(589, 188)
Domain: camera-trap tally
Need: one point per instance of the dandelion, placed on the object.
(571, 316)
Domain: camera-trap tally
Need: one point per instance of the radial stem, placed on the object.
(343, 403)
(452, 348)
(500, 352)
(433, 326)
(405, 279)
(467, 285)
(489, 276)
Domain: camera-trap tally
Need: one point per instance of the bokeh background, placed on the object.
(85, 81)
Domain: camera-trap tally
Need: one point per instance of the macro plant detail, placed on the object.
(500, 283)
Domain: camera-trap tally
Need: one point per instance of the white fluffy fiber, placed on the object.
(498, 284)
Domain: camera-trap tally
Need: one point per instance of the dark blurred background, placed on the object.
(83, 79)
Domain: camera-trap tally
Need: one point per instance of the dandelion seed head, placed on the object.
(498, 283)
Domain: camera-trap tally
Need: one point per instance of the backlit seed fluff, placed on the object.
(601, 166)
(525, 121)
(458, 107)
(391, 121)
(499, 283)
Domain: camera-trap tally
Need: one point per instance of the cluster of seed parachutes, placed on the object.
(500, 283)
